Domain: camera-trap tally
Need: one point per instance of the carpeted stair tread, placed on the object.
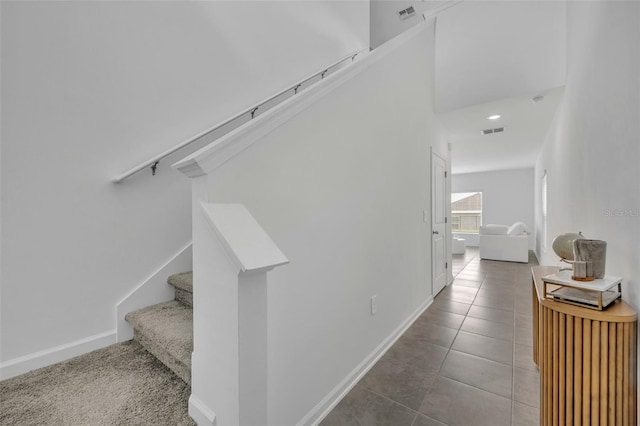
(166, 330)
(121, 384)
(183, 282)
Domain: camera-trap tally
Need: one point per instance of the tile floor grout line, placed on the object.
(485, 358)
(448, 351)
(476, 387)
(512, 276)
(454, 339)
(389, 399)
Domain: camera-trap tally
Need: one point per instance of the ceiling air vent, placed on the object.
(490, 131)
(406, 13)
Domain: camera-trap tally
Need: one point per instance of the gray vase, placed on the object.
(594, 251)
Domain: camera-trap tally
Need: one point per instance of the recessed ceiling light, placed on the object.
(493, 117)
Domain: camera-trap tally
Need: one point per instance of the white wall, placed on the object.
(341, 189)
(90, 89)
(592, 152)
(385, 23)
(507, 197)
(489, 50)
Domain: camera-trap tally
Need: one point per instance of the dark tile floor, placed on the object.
(467, 360)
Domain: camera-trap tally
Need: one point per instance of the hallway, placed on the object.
(465, 361)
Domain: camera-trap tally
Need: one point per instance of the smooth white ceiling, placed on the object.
(492, 57)
(490, 50)
(526, 124)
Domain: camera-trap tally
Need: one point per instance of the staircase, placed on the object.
(166, 329)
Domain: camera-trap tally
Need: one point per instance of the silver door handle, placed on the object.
(435, 232)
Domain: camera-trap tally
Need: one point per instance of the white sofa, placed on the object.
(502, 242)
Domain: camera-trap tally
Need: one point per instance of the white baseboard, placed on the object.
(152, 291)
(56, 354)
(332, 399)
(200, 413)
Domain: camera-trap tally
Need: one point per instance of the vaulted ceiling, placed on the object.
(492, 57)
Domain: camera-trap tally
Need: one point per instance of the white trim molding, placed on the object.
(200, 413)
(328, 403)
(56, 354)
(152, 290)
(246, 243)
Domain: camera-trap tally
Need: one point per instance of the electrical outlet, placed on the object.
(425, 216)
(374, 304)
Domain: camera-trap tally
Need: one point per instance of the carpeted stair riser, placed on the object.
(166, 331)
(179, 368)
(184, 297)
(183, 283)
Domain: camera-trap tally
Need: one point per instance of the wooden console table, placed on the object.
(587, 360)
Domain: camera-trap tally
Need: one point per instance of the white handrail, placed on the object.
(153, 162)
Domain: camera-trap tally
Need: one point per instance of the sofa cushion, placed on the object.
(494, 229)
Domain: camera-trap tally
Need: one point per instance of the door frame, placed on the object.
(446, 195)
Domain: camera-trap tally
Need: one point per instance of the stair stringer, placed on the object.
(152, 291)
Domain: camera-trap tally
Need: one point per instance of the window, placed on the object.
(466, 211)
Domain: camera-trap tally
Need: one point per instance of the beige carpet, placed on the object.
(119, 385)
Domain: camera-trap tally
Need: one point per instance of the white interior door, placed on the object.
(438, 223)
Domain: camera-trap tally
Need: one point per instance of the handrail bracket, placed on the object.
(153, 162)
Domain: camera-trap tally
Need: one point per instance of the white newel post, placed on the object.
(232, 255)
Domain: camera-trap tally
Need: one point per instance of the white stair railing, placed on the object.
(233, 122)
